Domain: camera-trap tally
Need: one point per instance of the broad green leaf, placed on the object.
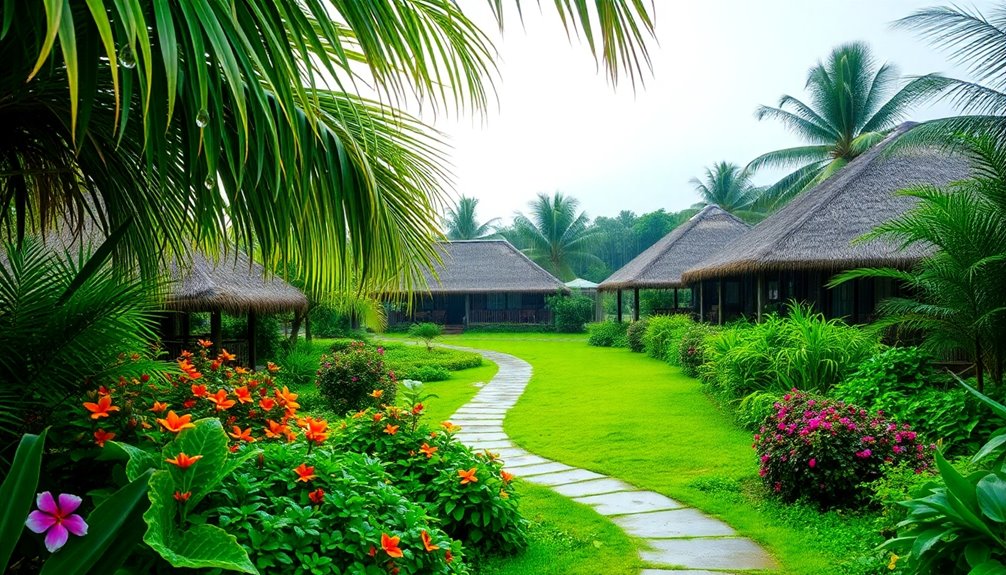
(977, 553)
(993, 445)
(18, 492)
(111, 520)
(994, 405)
(138, 460)
(202, 546)
(992, 497)
(990, 567)
(925, 540)
(208, 440)
(957, 486)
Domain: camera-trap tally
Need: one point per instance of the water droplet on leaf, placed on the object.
(202, 118)
(210, 183)
(126, 57)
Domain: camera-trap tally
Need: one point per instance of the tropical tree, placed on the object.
(462, 224)
(167, 122)
(956, 296)
(729, 186)
(556, 234)
(851, 107)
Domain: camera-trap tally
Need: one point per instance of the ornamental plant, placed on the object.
(607, 334)
(469, 491)
(663, 335)
(426, 332)
(356, 378)
(634, 335)
(825, 450)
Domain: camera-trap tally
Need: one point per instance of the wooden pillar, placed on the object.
(251, 340)
(675, 300)
(719, 301)
(618, 296)
(635, 304)
(307, 325)
(702, 300)
(186, 330)
(468, 307)
(760, 287)
(216, 329)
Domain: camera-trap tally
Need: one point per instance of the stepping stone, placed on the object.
(564, 477)
(674, 523)
(723, 553)
(494, 446)
(475, 436)
(629, 502)
(524, 461)
(481, 426)
(594, 487)
(541, 469)
(680, 572)
(508, 453)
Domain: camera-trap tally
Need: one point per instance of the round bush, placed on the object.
(634, 335)
(349, 379)
(570, 312)
(691, 348)
(607, 334)
(826, 450)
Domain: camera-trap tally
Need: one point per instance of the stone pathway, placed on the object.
(678, 539)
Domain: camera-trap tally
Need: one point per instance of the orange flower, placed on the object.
(184, 461)
(450, 427)
(272, 367)
(287, 399)
(221, 401)
(185, 354)
(507, 477)
(428, 542)
(241, 371)
(199, 390)
(216, 364)
(417, 409)
(267, 403)
(101, 436)
(390, 545)
(182, 497)
(205, 343)
(240, 435)
(394, 412)
(274, 430)
(101, 409)
(290, 436)
(159, 407)
(317, 430)
(316, 496)
(225, 356)
(427, 450)
(391, 429)
(468, 476)
(359, 414)
(378, 417)
(243, 395)
(377, 393)
(304, 472)
(189, 403)
(190, 370)
(175, 423)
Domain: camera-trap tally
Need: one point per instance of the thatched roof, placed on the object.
(233, 284)
(484, 266)
(661, 265)
(816, 229)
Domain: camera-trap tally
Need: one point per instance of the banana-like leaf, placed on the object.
(992, 497)
(18, 493)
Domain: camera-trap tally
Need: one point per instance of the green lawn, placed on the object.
(641, 420)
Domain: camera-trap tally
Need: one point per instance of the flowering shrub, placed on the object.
(356, 378)
(324, 512)
(691, 348)
(469, 491)
(826, 450)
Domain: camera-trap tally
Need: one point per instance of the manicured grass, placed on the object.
(565, 538)
(643, 421)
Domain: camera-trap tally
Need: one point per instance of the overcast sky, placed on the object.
(561, 126)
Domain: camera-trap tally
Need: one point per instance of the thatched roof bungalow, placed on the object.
(661, 265)
(481, 282)
(793, 253)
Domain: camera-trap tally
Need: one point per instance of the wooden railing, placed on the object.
(510, 316)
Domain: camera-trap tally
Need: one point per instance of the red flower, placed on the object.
(182, 497)
(221, 401)
(102, 408)
(304, 472)
(390, 545)
(241, 435)
(199, 390)
(316, 496)
(101, 436)
(184, 461)
(428, 542)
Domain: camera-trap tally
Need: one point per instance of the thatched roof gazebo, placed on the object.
(661, 265)
(813, 235)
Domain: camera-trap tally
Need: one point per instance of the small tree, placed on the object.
(426, 332)
(570, 312)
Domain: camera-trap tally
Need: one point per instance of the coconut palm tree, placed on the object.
(729, 186)
(851, 107)
(461, 223)
(166, 123)
(556, 235)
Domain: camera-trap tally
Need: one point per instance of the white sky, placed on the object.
(561, 126)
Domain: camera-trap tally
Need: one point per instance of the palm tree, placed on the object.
(850, 109)
(729, 186)
(556, 236)
(956, 296)
(462, 225)
(163, 123)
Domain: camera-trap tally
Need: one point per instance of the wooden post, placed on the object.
(702, 301)
(760, 287)
(186, 329)
(468, 307)
(618, 296)
(635, 304)
(675, 300)
(307, 325)
(216, 329)
(251, 340)
(719, 301)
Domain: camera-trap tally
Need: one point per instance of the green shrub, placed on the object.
(634, 335)
(431, 465)
(426, 332)
(692, 347)
(403, 357)
(343, 343)
(902, 383)
(607, 334)
(826, 451)
(327, 321)
(348, 379)
(298, 366)
(570, 312)
(663, 336)
(424, 373)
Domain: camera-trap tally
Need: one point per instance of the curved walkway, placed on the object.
(680, 540)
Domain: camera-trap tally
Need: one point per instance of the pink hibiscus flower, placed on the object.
(56, 520)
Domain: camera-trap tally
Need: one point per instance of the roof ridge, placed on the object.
(532, 262)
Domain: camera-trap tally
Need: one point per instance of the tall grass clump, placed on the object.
(663, 335)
